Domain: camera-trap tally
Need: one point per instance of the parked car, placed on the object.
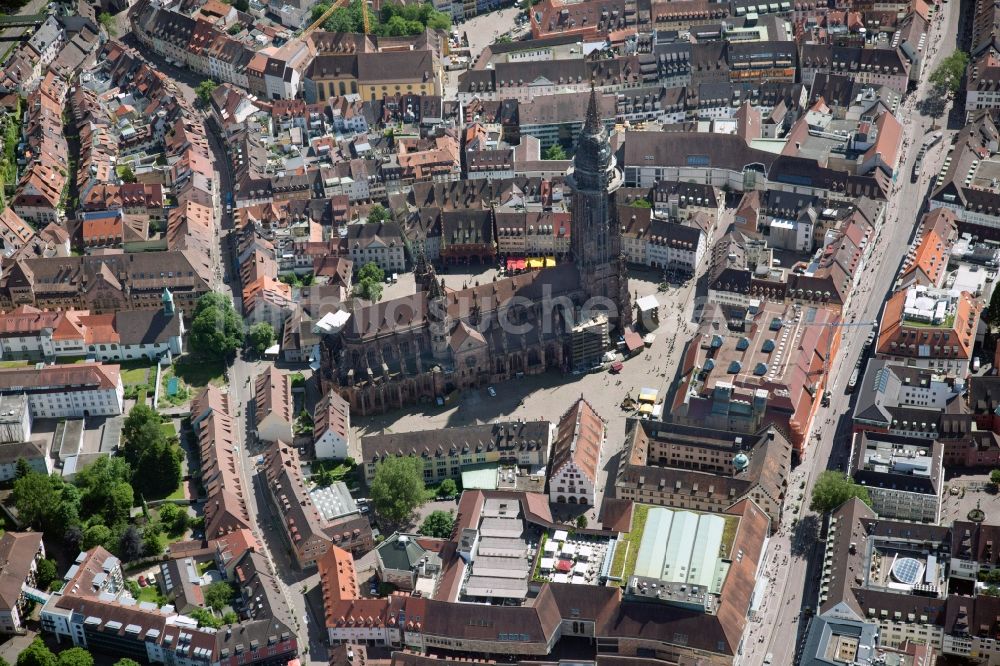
(492, 391)
(143, 582)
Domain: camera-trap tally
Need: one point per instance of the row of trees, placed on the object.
(39, 654)
(393, 20)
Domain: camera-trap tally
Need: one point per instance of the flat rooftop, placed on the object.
(929, 307)
(905, 570)
(333, 501)
(12, 407)
(682, 557)
(889, 457)
(985, 176)
(501, 565)
(819, 147)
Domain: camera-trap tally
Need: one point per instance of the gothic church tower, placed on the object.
(595, 239)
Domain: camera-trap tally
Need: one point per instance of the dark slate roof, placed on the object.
(508, 436)
(146, 327)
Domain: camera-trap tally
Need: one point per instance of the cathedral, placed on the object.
(437, 341)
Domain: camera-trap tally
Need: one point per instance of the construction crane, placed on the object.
(364, 17)
(322, 19)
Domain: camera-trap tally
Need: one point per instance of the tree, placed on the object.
(205, 618)
(242, 5)
(159, 469)
(204, 91)
(75, 656)
(68, 511)
(36, 654)
(73, 538)
(103, 491)
(107, 21)
(126, 173)
(439, 21)
(173, 518)
(369, 282)
(318, 10)
(154, 458)
(398, 487)
(554, 152)
(229, 617)
(125, 661)
(130, 544)
(832, 489)
(995, 477)
(36, 500)
(120, 502)
(950, 72)
(96, 535)
(45, 574)
(151, 545)
(641, 203)
(447, 488)
(993, 311)
(218, 595)
(371, 271)
(581, 521)
(504, 39)
(23, 469)
(439, 524)
(378, 214)
(261, 337)
(216, 329)
(341, 20)
(140, 428)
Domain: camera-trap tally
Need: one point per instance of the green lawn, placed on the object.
(339, 469)
(199, 374)
(431, 489)
(627, 551)
(168, 428)
(150, 593)
(14, 364)
(728, 535)
(177, 494)
(136, 373)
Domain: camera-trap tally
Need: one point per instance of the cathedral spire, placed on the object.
(593, 124)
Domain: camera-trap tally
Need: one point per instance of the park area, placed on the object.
(184, 378)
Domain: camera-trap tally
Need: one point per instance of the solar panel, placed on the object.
(906, 570)
(883, 379)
